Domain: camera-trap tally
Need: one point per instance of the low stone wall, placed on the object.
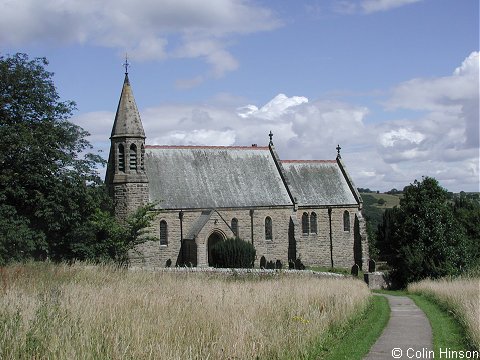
(240, 272)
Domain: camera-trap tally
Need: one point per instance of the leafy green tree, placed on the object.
(49, 185)
(421, 238)
(466, 210)
(102, 238)
(381, 201)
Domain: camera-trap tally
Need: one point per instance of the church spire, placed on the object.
(127, 119)
(126, 177)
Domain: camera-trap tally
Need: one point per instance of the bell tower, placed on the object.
(126, 178)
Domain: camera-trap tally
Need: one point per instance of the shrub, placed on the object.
(233, 253)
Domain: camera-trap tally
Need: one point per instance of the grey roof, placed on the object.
(186, 177)
(198, 225)
(318, 183)
(127, 119)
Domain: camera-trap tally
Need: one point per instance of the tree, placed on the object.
(421, 238)
(381, 201)
(102, 238)
(466, 210)
(49, 185)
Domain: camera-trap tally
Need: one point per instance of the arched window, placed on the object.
(235, 227)
(346, 221)
(305, 223)
(133, 157)
(268, 228)
(142, 158)
(163, 233)
(313, 223)
(121, 158)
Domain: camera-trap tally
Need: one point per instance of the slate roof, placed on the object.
(188, 177)
(318, 182)
(127, 119)
(199, 224)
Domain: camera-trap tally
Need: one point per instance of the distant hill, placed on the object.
(374, 205)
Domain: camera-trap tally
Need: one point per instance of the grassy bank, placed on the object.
(458, 297)
(354, 339)
(59, 312)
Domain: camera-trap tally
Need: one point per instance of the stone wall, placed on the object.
(128, 197)
(343, 240)
(156, 255)
(313, 249)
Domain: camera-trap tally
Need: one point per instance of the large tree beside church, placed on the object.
(422, 238)
(49, 186)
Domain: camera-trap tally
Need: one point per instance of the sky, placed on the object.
(394, 82)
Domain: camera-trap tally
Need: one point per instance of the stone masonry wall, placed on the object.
(155, 255)
(128, 197)
(313, 249)
(343, 255)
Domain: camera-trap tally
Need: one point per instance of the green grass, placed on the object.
(447, 331)
(354, 340)
(390, 200)
(335, 270)
(391, 292)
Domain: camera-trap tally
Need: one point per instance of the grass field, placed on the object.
(64, 312)
(372, 199)
(460, 297)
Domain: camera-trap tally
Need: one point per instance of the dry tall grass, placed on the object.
(81, 312)
(461, 296)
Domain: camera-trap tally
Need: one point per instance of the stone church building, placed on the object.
(288, 209)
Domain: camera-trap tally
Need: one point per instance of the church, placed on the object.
(308, 210)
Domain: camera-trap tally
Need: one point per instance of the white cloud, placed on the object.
(452, 102)
(444, 93)
(278, 106)
(141, 27)
(197, 137)
(444, 141)
(393, 137)
(370, 6)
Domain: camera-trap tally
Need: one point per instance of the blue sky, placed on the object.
(394, 82)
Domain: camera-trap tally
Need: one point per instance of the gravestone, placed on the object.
(354, 271)
(263, 262)
(371, 265)
(299, 265)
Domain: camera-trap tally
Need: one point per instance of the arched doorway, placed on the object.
(214, 238)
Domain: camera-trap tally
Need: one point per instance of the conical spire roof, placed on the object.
(127, 120)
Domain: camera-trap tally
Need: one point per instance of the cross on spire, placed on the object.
(338, 151)
(126, 64)
(271, 137)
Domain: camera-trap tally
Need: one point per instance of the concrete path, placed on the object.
(408, 334)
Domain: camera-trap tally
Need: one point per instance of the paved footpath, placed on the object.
(408, 334)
